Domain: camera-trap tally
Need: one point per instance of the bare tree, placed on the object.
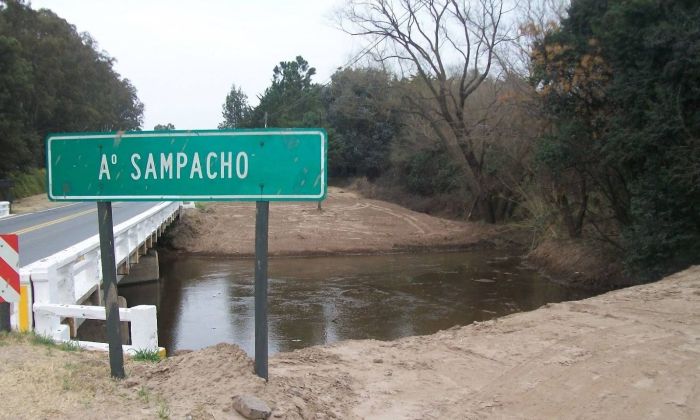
(452, 46)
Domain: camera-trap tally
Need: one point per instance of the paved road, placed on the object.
(47, 232)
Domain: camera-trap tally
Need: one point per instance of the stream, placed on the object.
(203, 301)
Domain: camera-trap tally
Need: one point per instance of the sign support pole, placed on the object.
(109, 276)
(262, 210)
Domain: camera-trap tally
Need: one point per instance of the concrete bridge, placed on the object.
(61, 275)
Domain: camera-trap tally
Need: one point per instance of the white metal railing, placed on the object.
(142, 318)
(70, 276)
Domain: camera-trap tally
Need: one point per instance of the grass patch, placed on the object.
(49, 343)
(66, 384)
(6, 337)
(163, 410)
(144, 394)
(71, 345)
(145, 355)
(41, 340)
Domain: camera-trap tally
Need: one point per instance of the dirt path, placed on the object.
(628, 354)
(347, 224)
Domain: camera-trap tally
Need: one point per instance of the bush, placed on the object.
(28, 183)
(430, 173)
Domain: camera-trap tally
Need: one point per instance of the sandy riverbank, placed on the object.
(347, 224)
(627, 354)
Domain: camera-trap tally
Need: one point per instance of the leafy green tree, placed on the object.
(16, 137)
(653, 48)
(621, 81)
(430, 172)
(55, 79)
(292, 100)
(235, 110)
(363, 121)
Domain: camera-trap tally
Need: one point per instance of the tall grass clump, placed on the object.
(146, 355)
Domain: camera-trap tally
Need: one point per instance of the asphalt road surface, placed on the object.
(46, 232)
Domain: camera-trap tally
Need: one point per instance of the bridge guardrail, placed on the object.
(142, 318)
(70, 276)
(4, 209)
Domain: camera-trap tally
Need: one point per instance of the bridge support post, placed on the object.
(109, 276)
(262, 210)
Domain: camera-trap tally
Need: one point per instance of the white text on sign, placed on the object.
(180, 166)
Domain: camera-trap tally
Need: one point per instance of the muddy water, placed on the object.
(204, 301)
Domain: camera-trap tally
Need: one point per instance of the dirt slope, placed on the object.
(628, 354)
(347, 224)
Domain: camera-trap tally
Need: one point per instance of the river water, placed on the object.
(204, 301)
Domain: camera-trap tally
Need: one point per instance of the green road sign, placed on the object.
(200, 165)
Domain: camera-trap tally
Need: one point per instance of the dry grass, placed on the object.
(585, 264)
(50, 381)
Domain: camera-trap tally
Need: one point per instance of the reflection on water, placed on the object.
(204, 301)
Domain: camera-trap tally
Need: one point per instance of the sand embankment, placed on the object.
(347, 224)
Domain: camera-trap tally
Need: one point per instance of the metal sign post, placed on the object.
(262, 211)
(109, 276)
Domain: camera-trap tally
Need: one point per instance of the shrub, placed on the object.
(28, 183)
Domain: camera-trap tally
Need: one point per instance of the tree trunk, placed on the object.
(502, 208)
(487, 208)
(469, 167)
(573, 228)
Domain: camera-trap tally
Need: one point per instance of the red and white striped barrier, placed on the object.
(9, 268)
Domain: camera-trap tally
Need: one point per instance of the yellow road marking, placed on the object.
(53, 222)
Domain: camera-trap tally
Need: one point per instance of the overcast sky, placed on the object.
(183, 56)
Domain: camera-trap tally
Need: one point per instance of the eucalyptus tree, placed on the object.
(235, 109)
